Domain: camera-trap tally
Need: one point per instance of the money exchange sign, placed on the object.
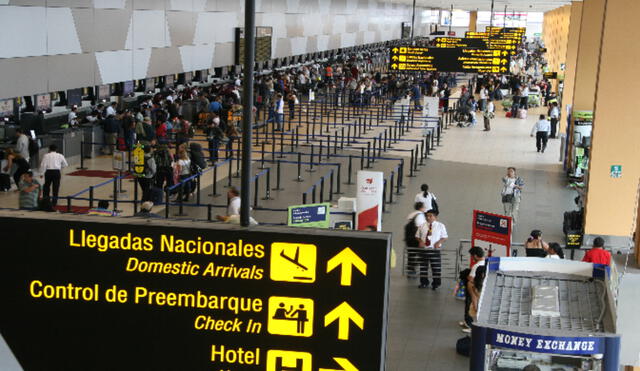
(410, 58)
(132, 295)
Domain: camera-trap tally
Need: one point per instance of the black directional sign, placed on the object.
(501, 38)
(410, 58)
(85, 294)
(459, 42)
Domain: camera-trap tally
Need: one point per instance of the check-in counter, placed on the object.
(68, 142)
(93, 136)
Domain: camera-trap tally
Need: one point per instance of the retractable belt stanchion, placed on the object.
(230, 169)
(299, 178)
(321, 189)
(167, 202)
(278, 176)
(362, 158)
(411, 165)
(215, 181)
(90, 197)
(262, 156)
(338, 179)
(350, 169)
(267, 186)
(135, 196)
(311, 169)
(255, 191)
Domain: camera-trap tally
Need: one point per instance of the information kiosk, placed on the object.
(556, 314)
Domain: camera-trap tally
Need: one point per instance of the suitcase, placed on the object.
(508, 114)
(463, 346)
(5, 182)
(522, 113)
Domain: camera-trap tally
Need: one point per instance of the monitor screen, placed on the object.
(6, 107)
(128, 88)
(104, 92)
(168, 81)
(188, 77)
(74, 97)
(43, 102)
(150, 83)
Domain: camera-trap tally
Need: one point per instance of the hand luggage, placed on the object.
(463, 346)
(5, 182)
(155, 195)
(522, 113)
(508, 114)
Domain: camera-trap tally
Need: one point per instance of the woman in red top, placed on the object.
(161, 132)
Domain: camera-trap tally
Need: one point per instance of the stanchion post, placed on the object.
(267, 186)
(321, 190)
(362, 158)
(339, 179)
(299, 178)
(368, 155)
(209, 213)
(411, 165)
(167, 202)
(135, 196)
(350, 169)
(90, 197)
(198, 185)
(262, 157)
(278, 176)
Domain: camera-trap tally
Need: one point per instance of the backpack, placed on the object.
(162, 158)
(410, 230)
(34, 147)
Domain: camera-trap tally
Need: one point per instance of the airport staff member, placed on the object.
(50, 166)
(541, 128)
(431, 235)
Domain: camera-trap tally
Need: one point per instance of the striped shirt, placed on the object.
(29, 200)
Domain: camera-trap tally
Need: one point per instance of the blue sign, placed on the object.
(314, 215)
(545, 344)
(492, 223)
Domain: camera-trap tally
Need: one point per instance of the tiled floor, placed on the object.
(465, 175)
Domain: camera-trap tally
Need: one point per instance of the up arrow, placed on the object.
(344, 313)
(395, 50)
(395, 57)
(347, 259)
(343, 363)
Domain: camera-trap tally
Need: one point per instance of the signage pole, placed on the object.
(247, 100)
(504, 17)
(450, 18)
(413, 19)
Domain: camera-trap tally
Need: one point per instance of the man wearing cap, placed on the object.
(145, 211)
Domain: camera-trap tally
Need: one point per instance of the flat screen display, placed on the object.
(6, 107)
(128, 87)
(43, 102)
(188, 77)
(104, 92)
(74, 97)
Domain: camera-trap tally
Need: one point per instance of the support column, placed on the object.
(555, 35)
(571, 61)
(612, 201)
(586, 67)
(473, 20)
(588, 55)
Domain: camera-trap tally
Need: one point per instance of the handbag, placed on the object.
(508, 198)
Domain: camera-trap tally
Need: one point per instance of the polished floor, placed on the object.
(464, 172)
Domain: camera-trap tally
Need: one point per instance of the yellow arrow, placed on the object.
(394, 66)
(395, 50)
(395, 57)
(344, 313)
(342, 362)
(347, 259)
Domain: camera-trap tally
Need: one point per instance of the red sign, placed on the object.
(492, 232)
(451, 33)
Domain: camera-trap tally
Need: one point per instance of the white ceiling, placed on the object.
(512, 5)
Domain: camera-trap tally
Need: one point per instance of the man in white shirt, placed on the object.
(111, 109)
(473, 294)
(554, 115)
(50, 166)
(22, 144)
(72, 118)
(233, 196)
(541, 128)
(431, 235)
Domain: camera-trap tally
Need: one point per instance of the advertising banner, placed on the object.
(492, 232)
(130, 294)
(369, 200)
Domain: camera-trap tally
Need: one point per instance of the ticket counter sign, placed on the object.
(147, 295)
(472, 60)
(311, 215)
(492, 232)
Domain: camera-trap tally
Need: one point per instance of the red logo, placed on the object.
(369, 180)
